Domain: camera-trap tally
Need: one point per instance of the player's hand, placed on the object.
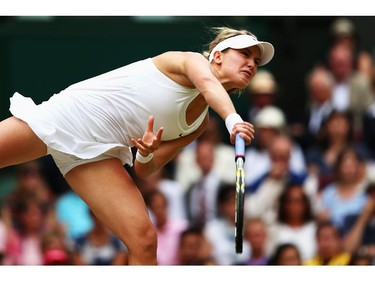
(150, 141)
(246, 131)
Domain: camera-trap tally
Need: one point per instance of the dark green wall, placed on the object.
(39, 58)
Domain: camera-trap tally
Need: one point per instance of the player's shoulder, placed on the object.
(180, 55)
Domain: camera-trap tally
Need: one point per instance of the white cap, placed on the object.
(245, 41)
(270, 117)
(263, 83)
(342, 27)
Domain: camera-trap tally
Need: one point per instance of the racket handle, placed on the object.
(239, 147)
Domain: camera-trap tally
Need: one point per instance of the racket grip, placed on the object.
(239, 147)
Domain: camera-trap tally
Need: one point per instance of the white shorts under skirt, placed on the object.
(66, 162)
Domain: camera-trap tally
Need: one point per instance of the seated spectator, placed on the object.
(329, 246)
(27, 234)
(29, 183)
(352, 90)
(169, 187)
(255, 233)
(319, 84)
(74, 214)
(220, 232)
(99, 247)
(335, 134)
(168, 229)
(193, 248)
(187, 170)
(360, 228)
(346, 194)
(344, 32)
(55, 249)
(262, 199)
(269, 123)
(262, 91)
(285, 254)
(200, 197)
(295, 222)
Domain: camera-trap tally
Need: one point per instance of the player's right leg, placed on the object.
(116, 201)
(18, 143)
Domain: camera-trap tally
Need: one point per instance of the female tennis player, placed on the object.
(158, 105)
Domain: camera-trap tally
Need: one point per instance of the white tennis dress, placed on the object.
(99, 116)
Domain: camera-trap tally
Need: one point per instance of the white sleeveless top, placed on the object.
(93, 116)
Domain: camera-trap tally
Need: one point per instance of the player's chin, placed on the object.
(242, 85)
(243, 82)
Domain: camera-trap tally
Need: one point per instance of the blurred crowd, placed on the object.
(310, 184)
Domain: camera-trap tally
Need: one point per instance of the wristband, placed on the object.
(143, 159)
(231, 120)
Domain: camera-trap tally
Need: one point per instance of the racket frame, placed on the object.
(240, 193)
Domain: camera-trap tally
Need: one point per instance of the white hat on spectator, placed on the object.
(342, 27)
(270, 117)
(263, 83)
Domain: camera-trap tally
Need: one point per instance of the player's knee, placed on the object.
(145, 243)
(148, 241)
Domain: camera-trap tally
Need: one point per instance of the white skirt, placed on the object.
(58, 123)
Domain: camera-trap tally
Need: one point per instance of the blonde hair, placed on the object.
(222, 33)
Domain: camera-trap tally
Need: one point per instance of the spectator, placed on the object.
(99, 247)
(335, 134)
(220, 231)
(346, 194)
(201, 196)
(269, 123)
(319, 84)
(360, 234)
(27, 234)
(343, 32)
(74, 214)
(168, 229)
(171, 189)
(55, 249)
(329, 246)
(262, 91)
(29, 183)
(352, 91)
(262, 199)
(193, 247)
(286, 254)
(295, 222)
(187, 170)
(255, 233)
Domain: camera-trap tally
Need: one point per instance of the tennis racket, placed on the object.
(240, 192)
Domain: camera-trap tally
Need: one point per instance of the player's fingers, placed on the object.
(138, 145)
(148, 147)
(150, 125)
(232, 138)
(159, 133)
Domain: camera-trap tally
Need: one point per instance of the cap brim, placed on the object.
(246, 41)
(266, 48)
(267, 52)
